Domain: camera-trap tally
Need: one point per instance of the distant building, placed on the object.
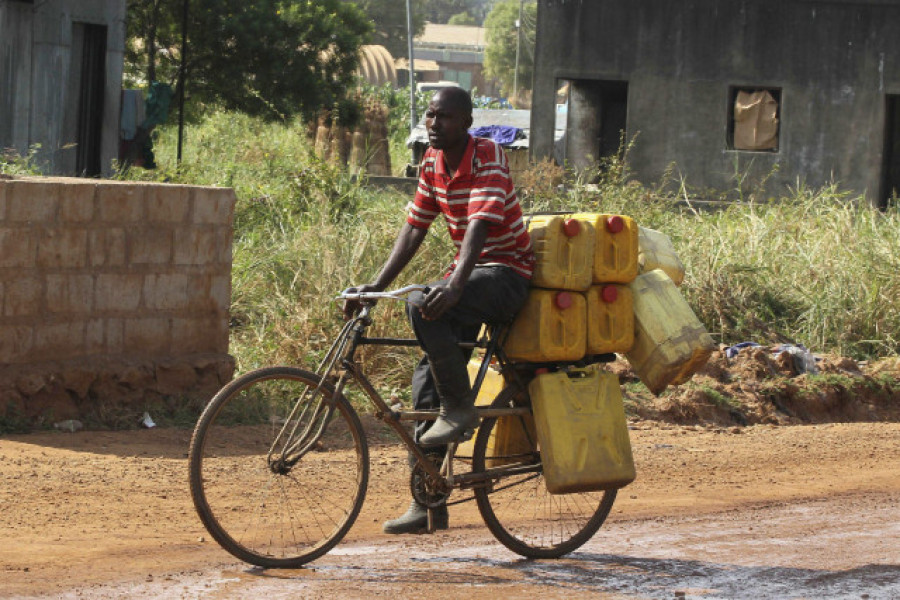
(60, 81)
(782, 91)
(452, 53)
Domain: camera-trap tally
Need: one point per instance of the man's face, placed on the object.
(447, 125)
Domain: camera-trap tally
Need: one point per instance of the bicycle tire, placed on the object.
(520, 512)
(259, 510)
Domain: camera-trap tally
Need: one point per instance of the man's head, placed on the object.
(448, 119)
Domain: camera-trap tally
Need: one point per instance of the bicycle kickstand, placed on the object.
(429, 527)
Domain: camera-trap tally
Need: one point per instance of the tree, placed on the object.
(440, 11)
(501, 35)
(152, 31)
(270, 57)
(462, 18)
(389, 19)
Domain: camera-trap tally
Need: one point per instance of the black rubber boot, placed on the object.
(452, 425)
(415, 520)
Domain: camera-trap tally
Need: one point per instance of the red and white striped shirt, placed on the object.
(480, 189)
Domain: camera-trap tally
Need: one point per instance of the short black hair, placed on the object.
(456, 97)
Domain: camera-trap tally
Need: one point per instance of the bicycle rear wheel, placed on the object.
(518, 509)
(265, 505)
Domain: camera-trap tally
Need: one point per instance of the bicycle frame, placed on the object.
(340, 368)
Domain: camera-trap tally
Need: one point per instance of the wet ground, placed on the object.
(784, 551)
(758, 512)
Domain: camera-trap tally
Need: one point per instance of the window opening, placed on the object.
(754, 119)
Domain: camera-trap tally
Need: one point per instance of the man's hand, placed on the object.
(351, 307)
(439, 299)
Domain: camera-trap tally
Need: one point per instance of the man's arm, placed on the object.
(442, 298)
(405, 247)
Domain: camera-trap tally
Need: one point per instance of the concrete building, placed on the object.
(60, 81)
(781, 91)
(453, 53)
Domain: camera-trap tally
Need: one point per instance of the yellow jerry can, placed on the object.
(512, 436)
(610, 319)
(582, 431)
(550, 327)
(563, 252)
(656, 251)
(670, 343)
(615, 247)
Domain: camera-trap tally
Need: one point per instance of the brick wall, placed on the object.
(114, 297)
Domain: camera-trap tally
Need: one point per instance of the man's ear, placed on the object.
(469, 121)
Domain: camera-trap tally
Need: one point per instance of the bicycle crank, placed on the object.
(428, 491)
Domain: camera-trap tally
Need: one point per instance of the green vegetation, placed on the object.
(720, 399)
(503, 38)
(273, 58)
(811, 267)
(12, 163)
(12, 420)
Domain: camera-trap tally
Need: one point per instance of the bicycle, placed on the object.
(261, 504)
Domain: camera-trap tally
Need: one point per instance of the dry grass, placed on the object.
(814, 266)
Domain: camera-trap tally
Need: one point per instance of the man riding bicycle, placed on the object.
(466, 179)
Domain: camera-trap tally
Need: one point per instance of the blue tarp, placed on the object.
(502, 134)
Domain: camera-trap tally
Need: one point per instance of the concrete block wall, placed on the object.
(112, 294)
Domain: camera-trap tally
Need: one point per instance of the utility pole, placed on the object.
(412, 70)
(182, 79)
(518, 43)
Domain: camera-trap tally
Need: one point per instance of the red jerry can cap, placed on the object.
(571, 227)
(609, 293)
(563, 300)
(541, 370)
(615, 224)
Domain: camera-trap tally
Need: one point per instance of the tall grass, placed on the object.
(815, 266)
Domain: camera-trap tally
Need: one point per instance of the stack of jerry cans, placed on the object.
(601, 285)
(580, 421)
(609, 320)
(571, 309)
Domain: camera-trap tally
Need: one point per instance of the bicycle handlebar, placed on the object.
(398, 294)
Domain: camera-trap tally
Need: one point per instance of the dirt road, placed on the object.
(762, 512)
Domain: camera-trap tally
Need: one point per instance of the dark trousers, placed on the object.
(492, 295)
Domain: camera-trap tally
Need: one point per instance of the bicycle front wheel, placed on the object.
(278, 467)
(517, 508)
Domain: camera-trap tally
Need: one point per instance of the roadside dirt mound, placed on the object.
(760, 385)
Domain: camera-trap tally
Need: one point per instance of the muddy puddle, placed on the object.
(844, 547)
